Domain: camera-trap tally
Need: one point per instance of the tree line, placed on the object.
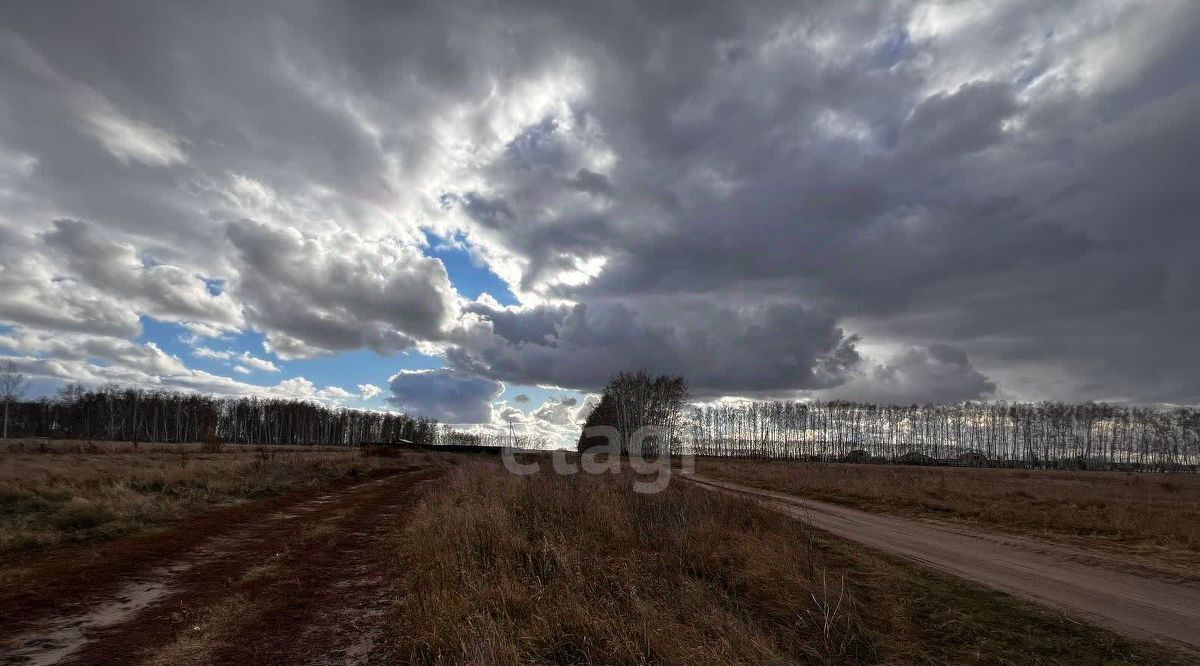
(491, 439)
(128, 414)
(1047, 434)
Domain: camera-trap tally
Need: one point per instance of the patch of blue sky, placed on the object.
(346, 370)
(469, 275)
(893, 50)
(536, 394)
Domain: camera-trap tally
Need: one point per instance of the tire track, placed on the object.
(117, 620)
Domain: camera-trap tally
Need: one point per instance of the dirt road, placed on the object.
(295, 579)
(1136, 605)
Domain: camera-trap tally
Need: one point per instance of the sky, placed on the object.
(480, 211)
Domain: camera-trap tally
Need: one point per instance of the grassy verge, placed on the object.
(79, 492)
(494, 568)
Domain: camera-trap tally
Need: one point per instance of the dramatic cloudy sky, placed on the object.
(479, 211)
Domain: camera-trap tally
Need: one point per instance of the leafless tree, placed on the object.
(12, 388)
(115, 413)
(1045, 434)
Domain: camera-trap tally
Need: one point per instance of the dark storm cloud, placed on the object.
(966, 120)
(937, 374)
(516, 326)
(721, 348)
(1005, 192)
(1001, 214)
(445, 395)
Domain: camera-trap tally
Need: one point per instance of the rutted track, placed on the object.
(1136, 605)
(121, 606)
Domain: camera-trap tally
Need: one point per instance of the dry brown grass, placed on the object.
(1154, 515)
(54, 493)
(495, 568)
(213, 631)
(505, 569)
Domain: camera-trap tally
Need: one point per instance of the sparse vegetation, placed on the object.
(495, 568)
(1156, 516)
(59, 492)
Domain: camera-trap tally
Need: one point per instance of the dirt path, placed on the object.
(1136, 605)
(301, 575)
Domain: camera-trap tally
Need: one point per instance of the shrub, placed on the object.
(79, 514)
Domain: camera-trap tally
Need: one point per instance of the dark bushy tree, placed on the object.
(632, 401)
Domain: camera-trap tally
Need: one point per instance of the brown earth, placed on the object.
(1082, 584)
(294, 572)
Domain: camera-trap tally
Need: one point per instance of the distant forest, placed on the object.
(127, 414)
(1056, 435)
(1088, 436)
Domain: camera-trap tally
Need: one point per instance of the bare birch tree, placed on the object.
(12, 388)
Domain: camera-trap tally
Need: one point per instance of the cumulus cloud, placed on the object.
(557, 411)
(507, 414)
(147, 358)
(32, 294)
(246, 362)
(368, 391)
(199, 329)
(216, 355)
(96, 360)
(446, 395)
(735, 196)
(937, 374)
(260, 364)
(554, 423)
(339, 291)
(334, 393)
(164, 291)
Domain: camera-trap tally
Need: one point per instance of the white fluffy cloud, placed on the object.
(260, 364)
(32, 294)
(558, 411)
(98, 360)
(205, 352)
(163, 291)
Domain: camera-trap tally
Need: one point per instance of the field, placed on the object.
(1153, 519)
(582, 570)
(56, 492)
(316, 556)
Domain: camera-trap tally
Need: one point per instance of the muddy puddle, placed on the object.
(59, 638)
